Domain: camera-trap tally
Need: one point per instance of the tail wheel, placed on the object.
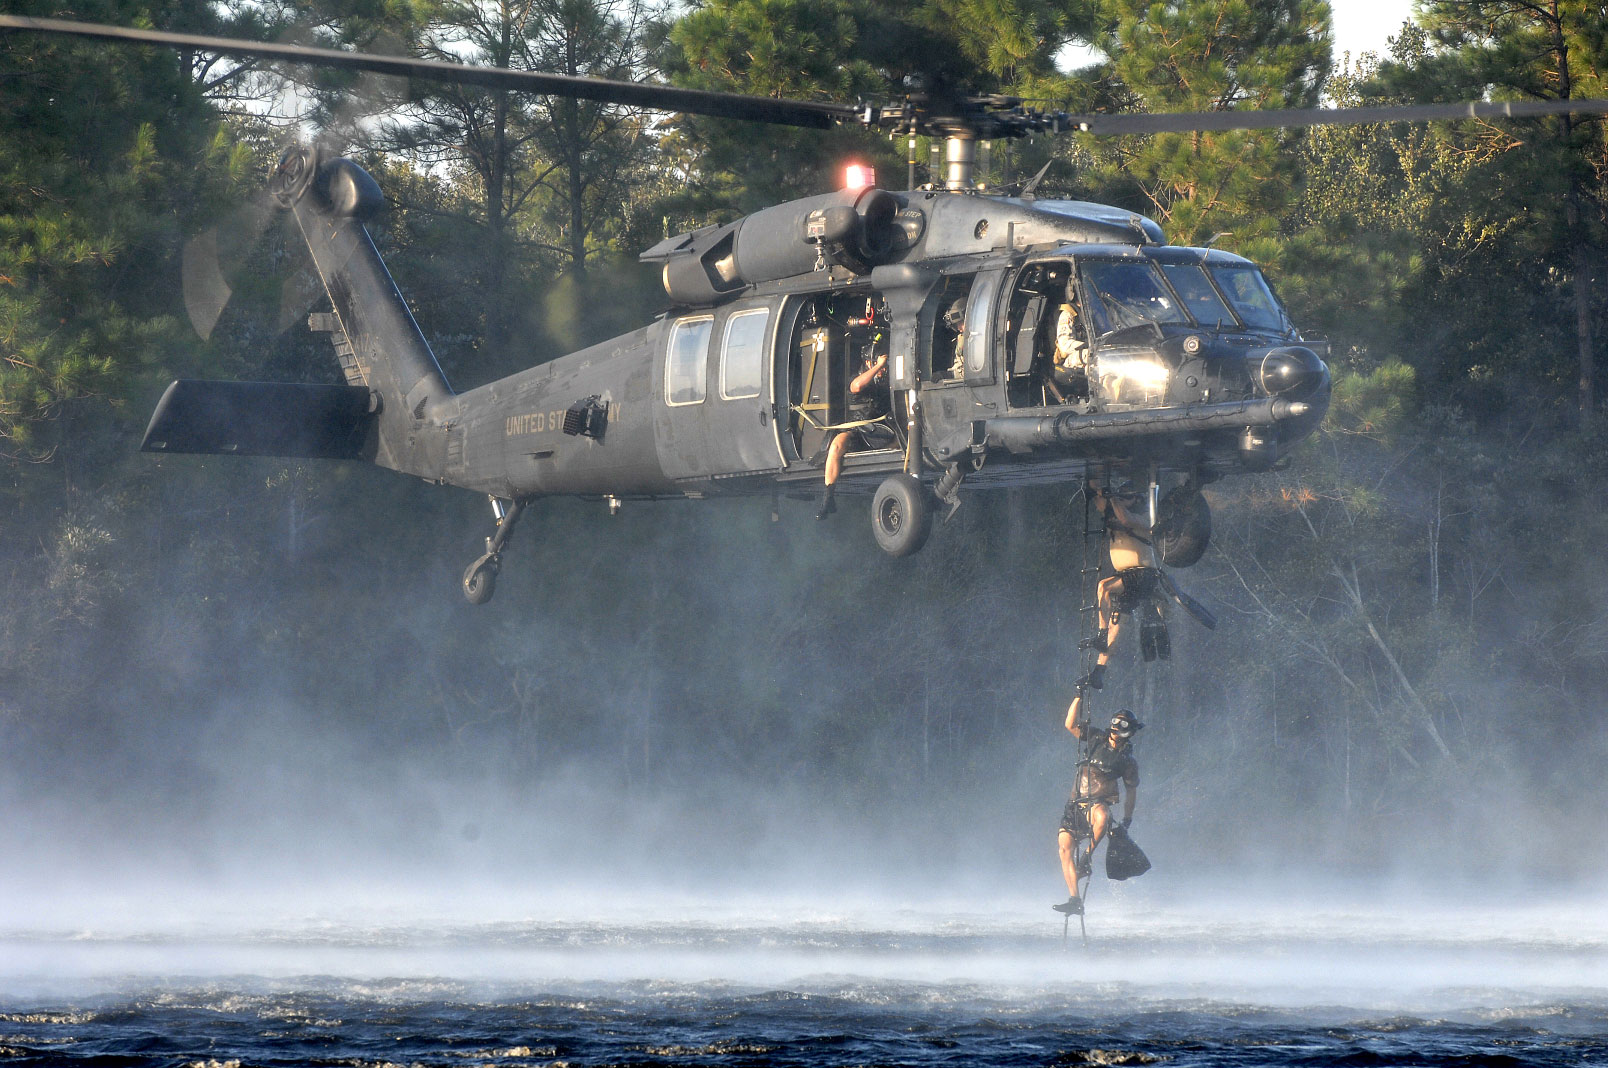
(1183, 527)
(901, 516)
(480, 580)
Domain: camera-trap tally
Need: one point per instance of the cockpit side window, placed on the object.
(1248, 291)
(978, 332)
(1128, 293)
(949, 331)
(1199, 296)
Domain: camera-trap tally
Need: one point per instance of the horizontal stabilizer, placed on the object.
(261, 419)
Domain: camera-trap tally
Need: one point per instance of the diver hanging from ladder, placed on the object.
(1107, 761)
(1134, 587)
(1129, 589)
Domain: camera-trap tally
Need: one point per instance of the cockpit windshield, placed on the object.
(1200, 297)
(1248, 291)
(1128, 293)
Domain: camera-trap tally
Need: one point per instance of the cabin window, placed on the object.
(743, 354)
(688, 360)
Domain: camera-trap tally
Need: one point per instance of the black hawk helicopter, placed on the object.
(1186, 366)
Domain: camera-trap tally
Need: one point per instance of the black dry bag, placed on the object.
(1124, 859)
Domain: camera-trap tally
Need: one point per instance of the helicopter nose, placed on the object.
(1291, 371)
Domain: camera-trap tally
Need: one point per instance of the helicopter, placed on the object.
(1174, 367)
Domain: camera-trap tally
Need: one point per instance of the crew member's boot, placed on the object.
(1094, 680)
(1072, 906)
(828, 503)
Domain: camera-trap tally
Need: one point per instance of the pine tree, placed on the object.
(796, 49)
(1205, 55)
(841, 50)
(99, 153)
(1552, 50)
(550, 178)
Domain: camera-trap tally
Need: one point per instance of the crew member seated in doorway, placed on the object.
(1087, 816)
(870, 402)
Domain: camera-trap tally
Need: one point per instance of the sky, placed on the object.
(1363, 25)
(1359, 26)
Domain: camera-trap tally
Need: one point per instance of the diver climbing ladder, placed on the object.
(1090, 635)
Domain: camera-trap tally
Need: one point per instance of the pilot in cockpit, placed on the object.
(1070, 364)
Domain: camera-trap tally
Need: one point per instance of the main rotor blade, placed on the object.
(634, 94)
(1206, 121)
(984, 121)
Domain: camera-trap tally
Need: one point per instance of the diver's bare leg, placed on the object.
(1109, 624)
(1069, 870)
(1099, 820)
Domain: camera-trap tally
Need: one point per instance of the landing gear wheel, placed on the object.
(1183, 527)
(901, 517)
(480, 579)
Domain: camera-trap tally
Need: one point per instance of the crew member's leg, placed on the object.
(834, 467)
(834, 457)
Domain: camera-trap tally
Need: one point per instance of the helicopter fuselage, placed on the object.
(738, 396)
(1014, 341)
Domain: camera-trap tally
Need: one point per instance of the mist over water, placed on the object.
(694, 777)
(1224, 980)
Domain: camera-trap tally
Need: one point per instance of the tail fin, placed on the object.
(379, 345)
(396, 405)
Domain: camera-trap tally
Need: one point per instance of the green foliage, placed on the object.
(840, 50)
(1533, 192)
(98, 148)
(802, 49)
(1374, 402)
(1192, 56)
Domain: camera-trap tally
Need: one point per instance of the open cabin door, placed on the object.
(827, 340)
(715, 416)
